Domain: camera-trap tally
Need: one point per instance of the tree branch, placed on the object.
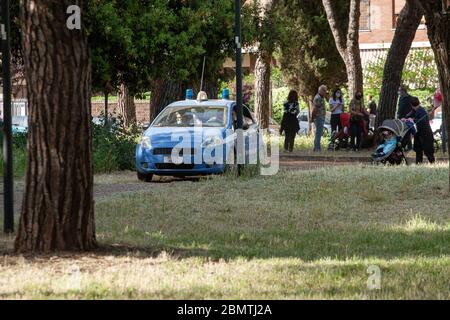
(353, 25)
(338, 34)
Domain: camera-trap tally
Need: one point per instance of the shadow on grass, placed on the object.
(308, 247)
(174, 179)
(316, 245)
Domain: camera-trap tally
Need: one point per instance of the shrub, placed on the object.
(113, 148)
(19, 146)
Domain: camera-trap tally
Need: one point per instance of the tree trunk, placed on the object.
(263, 71)
(126, 106)
(58, 208)
(164, 92)
(438, 23)
(262, 88)
(407, 25)
(347, 42)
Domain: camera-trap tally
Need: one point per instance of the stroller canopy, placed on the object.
(398, 127)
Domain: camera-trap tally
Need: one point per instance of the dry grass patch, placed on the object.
(308, 234)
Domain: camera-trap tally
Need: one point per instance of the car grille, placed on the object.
(168, 151)
(172, 166)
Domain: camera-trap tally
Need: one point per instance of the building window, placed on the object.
(397, 6)
(364, 20)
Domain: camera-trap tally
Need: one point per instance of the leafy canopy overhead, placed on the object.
(137, 41)
(308, 55)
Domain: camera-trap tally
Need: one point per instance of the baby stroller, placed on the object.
(339, 139)
(392, 150)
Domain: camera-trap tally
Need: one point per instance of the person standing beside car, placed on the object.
(318, 115)
(289, 123)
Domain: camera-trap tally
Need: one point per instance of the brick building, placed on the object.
(378, 22)
(377, 28)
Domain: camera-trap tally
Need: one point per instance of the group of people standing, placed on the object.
(360, 117)
(358, 113)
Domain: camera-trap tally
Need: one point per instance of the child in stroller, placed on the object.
(339, 139)
(392, 150)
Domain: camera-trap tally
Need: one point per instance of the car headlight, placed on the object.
(146, 142)
(212, 141)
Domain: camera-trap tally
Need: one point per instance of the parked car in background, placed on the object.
(274, 126)
(19, 124)
(436, 123)
(303, 120)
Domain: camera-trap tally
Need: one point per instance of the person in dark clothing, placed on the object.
(404, 111)
(372, 106)
(289, 123)
(423, 139)
(372, 110)
(404, 103)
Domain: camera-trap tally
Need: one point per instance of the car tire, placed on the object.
(145, 177)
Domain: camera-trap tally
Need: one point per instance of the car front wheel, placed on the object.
(145, 177)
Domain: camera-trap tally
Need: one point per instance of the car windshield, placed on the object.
(204, 116)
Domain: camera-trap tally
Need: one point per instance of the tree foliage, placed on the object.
(139, 41)
(346, 36)
(308, 56)
(420, 71)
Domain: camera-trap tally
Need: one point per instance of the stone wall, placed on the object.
(142, 110)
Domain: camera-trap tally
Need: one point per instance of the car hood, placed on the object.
(172, 135)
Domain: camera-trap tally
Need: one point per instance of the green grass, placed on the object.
(297, 235)
(19, 162)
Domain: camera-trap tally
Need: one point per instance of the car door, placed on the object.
(303, 121)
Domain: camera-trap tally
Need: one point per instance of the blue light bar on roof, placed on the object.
(189, 94)
(226, 94)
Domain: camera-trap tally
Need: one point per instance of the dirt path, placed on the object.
(126, 182)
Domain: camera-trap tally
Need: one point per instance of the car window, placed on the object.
(190, 116)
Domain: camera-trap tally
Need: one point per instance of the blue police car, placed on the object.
(192, 137)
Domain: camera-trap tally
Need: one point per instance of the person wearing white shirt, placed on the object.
(337, 105)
